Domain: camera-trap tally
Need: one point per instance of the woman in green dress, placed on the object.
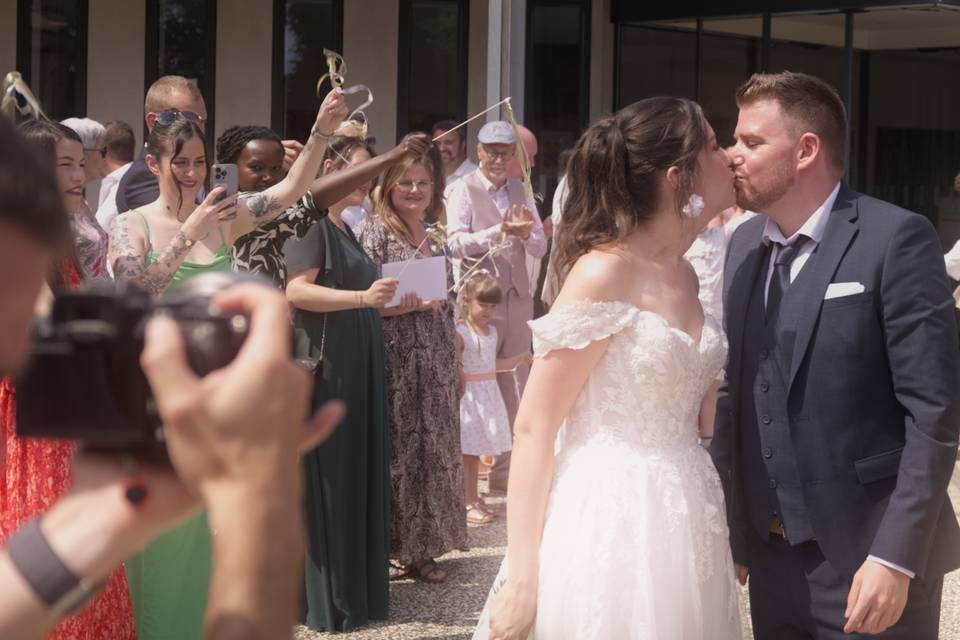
(158, 247)
(334, 287)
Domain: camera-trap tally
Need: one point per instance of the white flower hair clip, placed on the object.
(693, 207)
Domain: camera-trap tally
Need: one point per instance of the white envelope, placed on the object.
(841, 289)
(427, 277)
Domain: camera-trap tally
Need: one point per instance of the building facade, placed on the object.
(563, 62)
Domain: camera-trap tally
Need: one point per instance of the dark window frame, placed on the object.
(403, 63)
(278, 81)
(25, 46)
(585, 36)
(151, 62)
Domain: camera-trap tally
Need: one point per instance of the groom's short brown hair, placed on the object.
(811, 103)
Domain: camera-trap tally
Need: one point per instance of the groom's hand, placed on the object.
(877, 598)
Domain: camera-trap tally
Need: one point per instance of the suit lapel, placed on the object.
(839, 232)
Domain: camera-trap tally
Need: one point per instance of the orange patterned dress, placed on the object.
(35, 473)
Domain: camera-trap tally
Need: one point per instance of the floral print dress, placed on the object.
(426, 467)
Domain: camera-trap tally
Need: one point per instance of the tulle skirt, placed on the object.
(634, 546)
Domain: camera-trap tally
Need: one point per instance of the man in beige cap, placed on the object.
(480, 207)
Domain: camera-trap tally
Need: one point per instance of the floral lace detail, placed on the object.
(634, 543)
(650, 370)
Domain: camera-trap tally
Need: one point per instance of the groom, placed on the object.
(837, 428)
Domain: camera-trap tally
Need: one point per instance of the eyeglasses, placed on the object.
(499, 155)
(102, 151)
(168, 117)
(408, 185)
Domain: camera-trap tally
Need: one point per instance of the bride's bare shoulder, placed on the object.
(597, 276)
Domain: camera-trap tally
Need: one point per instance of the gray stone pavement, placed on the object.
(431, 612)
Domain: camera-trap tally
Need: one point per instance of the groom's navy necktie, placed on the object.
(780, 280)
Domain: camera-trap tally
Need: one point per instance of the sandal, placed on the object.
(428, 571)
(398, 571)
(483, 506)
(477, 515)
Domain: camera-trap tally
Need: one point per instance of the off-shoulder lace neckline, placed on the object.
(707, 318)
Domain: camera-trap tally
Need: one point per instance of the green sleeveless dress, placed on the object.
(169, 579)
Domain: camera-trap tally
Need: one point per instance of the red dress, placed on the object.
(35, 474)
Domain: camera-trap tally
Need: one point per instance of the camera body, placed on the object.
(83, 380)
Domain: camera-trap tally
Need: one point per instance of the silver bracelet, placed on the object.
(326, 137)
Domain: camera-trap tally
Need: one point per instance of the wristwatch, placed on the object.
(55, 585)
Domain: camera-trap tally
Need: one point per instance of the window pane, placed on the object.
(432, 82)
(310, 27)
(727, 61)
(656, 62)
(557, 79)
(182, 41)
(58, 56)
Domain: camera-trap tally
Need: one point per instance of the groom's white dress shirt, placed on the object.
(813, 229)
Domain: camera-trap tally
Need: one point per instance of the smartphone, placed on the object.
(225, 175)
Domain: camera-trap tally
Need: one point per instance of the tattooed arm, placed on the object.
(128, 255)
(270, 203)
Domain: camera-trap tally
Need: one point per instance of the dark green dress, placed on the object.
(347, 479)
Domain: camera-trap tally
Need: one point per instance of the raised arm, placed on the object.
(337, 185)
(129, 243)
(270, 203)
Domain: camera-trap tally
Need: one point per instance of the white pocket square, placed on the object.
(841, 289)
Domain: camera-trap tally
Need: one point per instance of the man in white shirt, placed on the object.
(120, 145)
(453, 152)
(481, 208)
(837, 424)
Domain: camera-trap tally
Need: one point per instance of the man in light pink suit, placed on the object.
(480, 208)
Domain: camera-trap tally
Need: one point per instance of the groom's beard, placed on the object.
(752, 196)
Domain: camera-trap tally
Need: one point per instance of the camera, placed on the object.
(83, 380)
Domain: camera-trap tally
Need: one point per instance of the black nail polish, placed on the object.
(136, 494)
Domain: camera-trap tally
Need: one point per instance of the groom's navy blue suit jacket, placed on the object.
(869, 392)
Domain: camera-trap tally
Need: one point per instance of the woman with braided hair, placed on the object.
(258, 154)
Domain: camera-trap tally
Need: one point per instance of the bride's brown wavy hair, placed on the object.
(614, 173)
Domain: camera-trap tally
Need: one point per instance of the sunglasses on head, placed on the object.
(168, 117)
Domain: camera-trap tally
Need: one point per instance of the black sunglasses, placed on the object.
(168, 117)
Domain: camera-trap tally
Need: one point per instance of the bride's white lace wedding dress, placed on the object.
(634, 542)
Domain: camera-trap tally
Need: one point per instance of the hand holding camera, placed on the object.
(242, 425)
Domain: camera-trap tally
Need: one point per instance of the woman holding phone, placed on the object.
(159, 246)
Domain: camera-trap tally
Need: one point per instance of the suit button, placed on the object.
(764, 387)
(773, 483)
(767, 453)
(764, 354)
(766, 420)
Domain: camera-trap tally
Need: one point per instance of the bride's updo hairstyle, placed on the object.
(616, 168)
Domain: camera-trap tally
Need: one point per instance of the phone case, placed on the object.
(225, 175)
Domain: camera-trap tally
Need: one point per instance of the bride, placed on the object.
(622, 533)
